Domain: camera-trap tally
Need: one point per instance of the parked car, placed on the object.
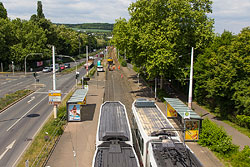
(100, 69)
(67, 65)
(62, 67)
(56, 66)
(46, 69)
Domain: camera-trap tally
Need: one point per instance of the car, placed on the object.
(100, 69)
(67, 65)
(62, 67)
(46, 69)
(56, 67)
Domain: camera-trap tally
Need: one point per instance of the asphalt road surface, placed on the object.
(20, 122)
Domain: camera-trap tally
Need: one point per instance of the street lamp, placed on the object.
(73, 60)
(26, 58)
(12, 66)
(191, 80)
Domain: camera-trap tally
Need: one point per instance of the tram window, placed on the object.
(141, 141)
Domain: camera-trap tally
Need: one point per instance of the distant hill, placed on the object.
(98, 26)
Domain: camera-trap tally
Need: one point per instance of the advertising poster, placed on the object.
(171, 111)
(192, 130)
(74, 112)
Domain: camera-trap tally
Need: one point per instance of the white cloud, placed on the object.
(232, 15)
(70, 11)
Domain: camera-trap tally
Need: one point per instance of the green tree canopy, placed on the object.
(3, 11)
(159, 31)
(40, 10)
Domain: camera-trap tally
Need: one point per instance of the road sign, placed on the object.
(187, 115)
(55, 96)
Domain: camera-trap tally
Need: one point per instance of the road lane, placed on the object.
(21, 122)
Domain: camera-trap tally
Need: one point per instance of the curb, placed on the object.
(11, 104)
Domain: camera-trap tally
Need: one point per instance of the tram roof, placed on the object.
(181, 108)
(169, 153)
(122, 156)
(113, 122)
(151, 117)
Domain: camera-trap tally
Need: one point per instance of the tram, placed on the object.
(157, 140)
(114, 146)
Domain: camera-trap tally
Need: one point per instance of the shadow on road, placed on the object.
(33, 115)
(87, 112)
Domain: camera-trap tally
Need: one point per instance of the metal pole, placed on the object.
(155, 87)
(12, 66)
(138, 80)
(27, 163)
(54, 78)
(191, 80)
(79, 46)
(82, 83)
(54, 68)
(25, 65)
(184, 133)
(1, 66)
(118, 54)
(87, 59)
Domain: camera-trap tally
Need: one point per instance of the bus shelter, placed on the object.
(185, 116)
(75, 104)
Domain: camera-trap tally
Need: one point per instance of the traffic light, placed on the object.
(77, 75)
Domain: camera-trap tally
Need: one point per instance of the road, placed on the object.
(20, 123)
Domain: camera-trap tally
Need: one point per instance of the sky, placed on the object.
(231, 15)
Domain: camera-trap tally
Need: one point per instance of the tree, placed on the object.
(222, 75)
(40, 10)
(3, 11)
(7, 38)
(30, 38)
(159, 31)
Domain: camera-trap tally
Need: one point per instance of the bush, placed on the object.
(124, 63)
(216, 139)
(242, 158)
(243, 121)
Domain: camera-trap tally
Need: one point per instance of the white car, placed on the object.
(100, 69)
(46, 69)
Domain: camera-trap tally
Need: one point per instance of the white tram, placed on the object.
(156, 139)
(114, 146)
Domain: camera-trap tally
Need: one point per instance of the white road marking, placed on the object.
(7, 149)
(31, 99)
(26, 113)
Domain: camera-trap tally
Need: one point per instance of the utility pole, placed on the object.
(155, 87)
(12, 66)
(1, 66)
(54, 78)
(118, 54)
(191, 80)
(87, 59)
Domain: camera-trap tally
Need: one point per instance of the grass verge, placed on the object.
(92, 72)
(11, 98)
(45, 139)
